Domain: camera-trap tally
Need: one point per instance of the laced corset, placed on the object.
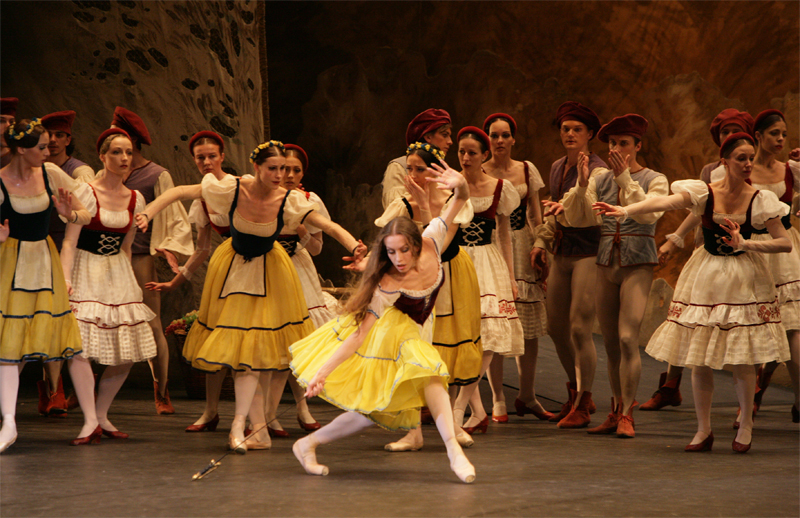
(479, 232)
(97, 238)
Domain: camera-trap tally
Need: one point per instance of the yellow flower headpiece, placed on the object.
(430, 148)
(265, 145)
(19, 135)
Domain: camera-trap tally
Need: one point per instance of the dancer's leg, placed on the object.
(703, 391)
(744, 380)
(144, 269)
(495, 374)
(439, 404)
(80, 370)
(110, 383)
(634, 293)
(9, 387)
(608, 316)
(276, 386)
(52, 372)
(581, 316)
(559, 300)
(214, 383)
(244, 385)
(470, 394)
(526, 369)
(303, 414)
(794, 364)
(344, 425)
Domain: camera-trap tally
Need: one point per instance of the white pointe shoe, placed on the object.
(464, 439)
(4, 445)
(463, 469)
(259, 440)
(403, 445)
(306, 453)
(236, 440)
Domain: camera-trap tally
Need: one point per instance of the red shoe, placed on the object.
(499, 412)
(210, 426)
(57, 405)
(44, 396)
(705, 445)
(482, 426)
(566, 407)
(275, 433)
(163, 403)
(668, 394)
(523, 409)
(738, 447)
(115, 434)
(308, 427)
(625, 428)
(578, 417)
(609, 426)
(92, 438)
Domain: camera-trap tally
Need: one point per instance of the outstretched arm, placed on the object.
(659, 204)
(345, 238)
(181, 192)
(185, 272)
(779, 243)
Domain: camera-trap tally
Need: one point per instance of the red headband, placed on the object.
(206, 134)
(427, 121)
(736, 136)
(503, 116)
(132, 124)
(477, 131)
(107, 133)
(630, 124)
(763, 115)
(303, 155)
(59, 121)
(731, 116)
(572, 110)
(8, 106)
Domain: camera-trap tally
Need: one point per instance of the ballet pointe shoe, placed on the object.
(567, 406)
(305, 452)
(578, 417)
(499, 412)
(522, 409)
(609, 426)
(92, 438)
(463, 469)
(236, 439)
(668, 394)
(163, 403)
(308, 427)
(405, 444)
(704, 445)
(5, 445)
(481, 426)
(209, 426)
(464, 439)
(625, 428)
(260, 439)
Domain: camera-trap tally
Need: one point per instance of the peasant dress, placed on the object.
(386, 377)
(457, 324)
(501, 329)
(725, 307)
(35, 316)
(785, 268)
(252, 307)
(106, 299)
(306, 271)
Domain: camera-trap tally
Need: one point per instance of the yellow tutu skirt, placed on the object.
(384, 380)
(457, 332)
(35, 324)
(250, 324)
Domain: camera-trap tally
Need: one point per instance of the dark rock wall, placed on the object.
(346, 77)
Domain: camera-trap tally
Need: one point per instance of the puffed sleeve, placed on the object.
(171, 228)
(436, 230)
(535, 181)
(395, 209)
(83, 173)
(59, 179)
(296, 209)
(393, 183)
(578, 202)
(464, 216)
(717, 174)
(140, 203)
(698, 191)
(321, 209)
(197, 216)
(631, 192)
(509, 199)
(766, 206)
(219, 193)
(794, 167)
(86, 197)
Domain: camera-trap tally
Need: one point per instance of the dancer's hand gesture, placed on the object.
(315, 386)
(604, 209)
(618, 163)
(418, 193)
(63, 203)
(732, 228)
(665, 252)
(447, 177)
(583, 169)
(358, 261)
(142, 221)
(552, 208)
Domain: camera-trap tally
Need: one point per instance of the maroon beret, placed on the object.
(477, 131)
(732, 138)
(107, 133)
(493, 117)
(427, 121)
(575, 111)
(301, 151)
(731, 116)
(630, 124)
(763, 115)
(206, 134)
(8, 106)
(59, 121)
(132, 124)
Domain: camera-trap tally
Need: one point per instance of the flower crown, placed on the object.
(19, 135)
(265, 145)
(433, 150)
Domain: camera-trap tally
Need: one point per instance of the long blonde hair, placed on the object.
(379, 264)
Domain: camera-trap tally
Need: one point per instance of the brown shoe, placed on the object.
(57, 405)
(578, 417)
(609, 426)
(163, 404)
(566, 407)
(668, 394)
(625, 427)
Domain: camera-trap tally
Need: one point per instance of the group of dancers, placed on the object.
(453, 282)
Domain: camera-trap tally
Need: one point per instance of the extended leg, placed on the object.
(344, 425)
(9, 387)
(108, 387)
(439, 404)
(214, 383)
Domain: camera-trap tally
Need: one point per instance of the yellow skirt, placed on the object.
(457, 332)
(35, 324)
(252, 324)
(384, 380)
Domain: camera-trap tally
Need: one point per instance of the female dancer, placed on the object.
(373, 361)
(456, 334)
(725, 124)
(252, 307)
(530, 301)
(104, 294)
(35, 317)
(493, 201)
(784, 180)
(627, 256)
(725, 307)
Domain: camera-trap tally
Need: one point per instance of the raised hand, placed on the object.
(583, 169)
(4, 231)
(732, 228)
(618, 163)
(552, 208)
(604, 209)
(142, 221)
(447, 177)
(63, 203)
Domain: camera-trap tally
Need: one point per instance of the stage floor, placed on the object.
(524, 468)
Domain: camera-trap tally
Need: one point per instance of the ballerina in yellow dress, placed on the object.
(373, 361)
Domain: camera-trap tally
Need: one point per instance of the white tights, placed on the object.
(9, 386)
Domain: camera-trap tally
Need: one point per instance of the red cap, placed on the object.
(59, 121)
(731, 116)
(763, 115)
(575, 111)
(491, 118)
(303, 155)
(736, 136)
(107, 133)
(427, 121)
(132, 124)
(477, 131)
(630, 124)
(8, 106)
(206, 134)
